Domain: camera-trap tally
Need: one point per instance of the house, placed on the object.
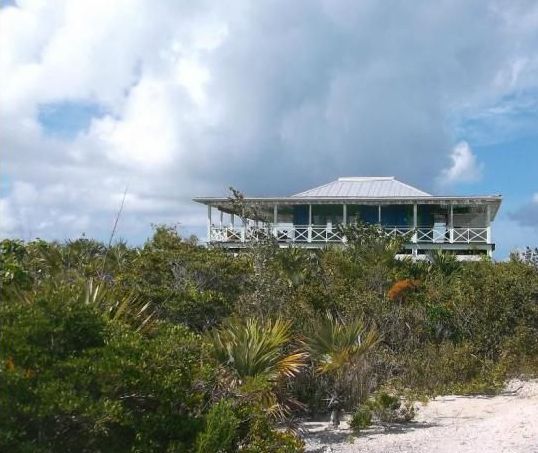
(460, 224)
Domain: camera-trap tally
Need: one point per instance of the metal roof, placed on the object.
(371, 187)
(361, 190)
(225, 204)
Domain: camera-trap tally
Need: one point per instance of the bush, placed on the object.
(520, 353)
(449, 368)
(401, 288)
(187, 284)
(382, 407)
(76, 375)
(71, 380)
(361, 418)
(221, 430)
(390, 408)
(243, 425)
(261, 436)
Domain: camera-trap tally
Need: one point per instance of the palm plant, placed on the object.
(127, 308)
(257, 357)
(444, 262)
(294, 265)
(338, 350)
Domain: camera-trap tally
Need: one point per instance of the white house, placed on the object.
(461, 224)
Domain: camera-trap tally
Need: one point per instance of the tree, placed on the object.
(74, 379)
(255, 357)
(338, 350)
(374, 252)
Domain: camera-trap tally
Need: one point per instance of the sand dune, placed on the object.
(506, 423)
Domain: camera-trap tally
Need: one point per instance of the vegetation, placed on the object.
(172, 346)
(382, 407)
(338, 349)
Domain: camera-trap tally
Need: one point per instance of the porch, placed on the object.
(318, 223)
(312, 218)
(324, 234)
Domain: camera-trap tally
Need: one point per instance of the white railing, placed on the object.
(328, 234)
(470, 235)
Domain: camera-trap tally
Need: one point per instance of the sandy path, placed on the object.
(506, 423)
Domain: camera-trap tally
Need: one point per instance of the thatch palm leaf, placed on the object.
(128, 308)
(338, 349)
(252, 348)
(336, 345)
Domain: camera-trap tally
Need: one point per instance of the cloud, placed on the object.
(527, 214)
(465, 167)
(188, 98)
(9, 224)
(509, 235)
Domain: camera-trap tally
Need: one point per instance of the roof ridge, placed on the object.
(372, 186)
(366, 178)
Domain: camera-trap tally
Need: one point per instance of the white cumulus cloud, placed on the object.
(464, 168)
(269, 96)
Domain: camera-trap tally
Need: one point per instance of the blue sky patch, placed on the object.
(67, 119)
(6, 3)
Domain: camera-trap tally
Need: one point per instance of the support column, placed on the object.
(344, 214)
(245, 223)
(415, 222)
(451, 224)
(208, 223)
(309, 223)
(488, 225)
(221, 218)
(414, 239)
(275, 221)
(379, 214)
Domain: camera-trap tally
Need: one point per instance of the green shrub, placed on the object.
(70, 380)
(361, 418)
(13, 270)
(76, 378)
(221, 429)
(261, 436)
(449, 368)
(390, 408)
(188, 284)
(382, 407)
(520, 353)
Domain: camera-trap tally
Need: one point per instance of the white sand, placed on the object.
(505, 423)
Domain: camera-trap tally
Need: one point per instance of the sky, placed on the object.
(173, 99)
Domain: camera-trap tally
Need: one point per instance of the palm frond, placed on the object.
(336, 345)
(253, 348)
(128, 308)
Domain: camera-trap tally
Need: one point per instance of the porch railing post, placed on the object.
(344, 219)
(415, 223)
(209, 223)
(488, 225)
(275, 220)
(309, 223)
(451, 225)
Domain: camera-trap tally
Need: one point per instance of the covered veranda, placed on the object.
(314, 222)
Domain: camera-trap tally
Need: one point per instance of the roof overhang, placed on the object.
(224, 204)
